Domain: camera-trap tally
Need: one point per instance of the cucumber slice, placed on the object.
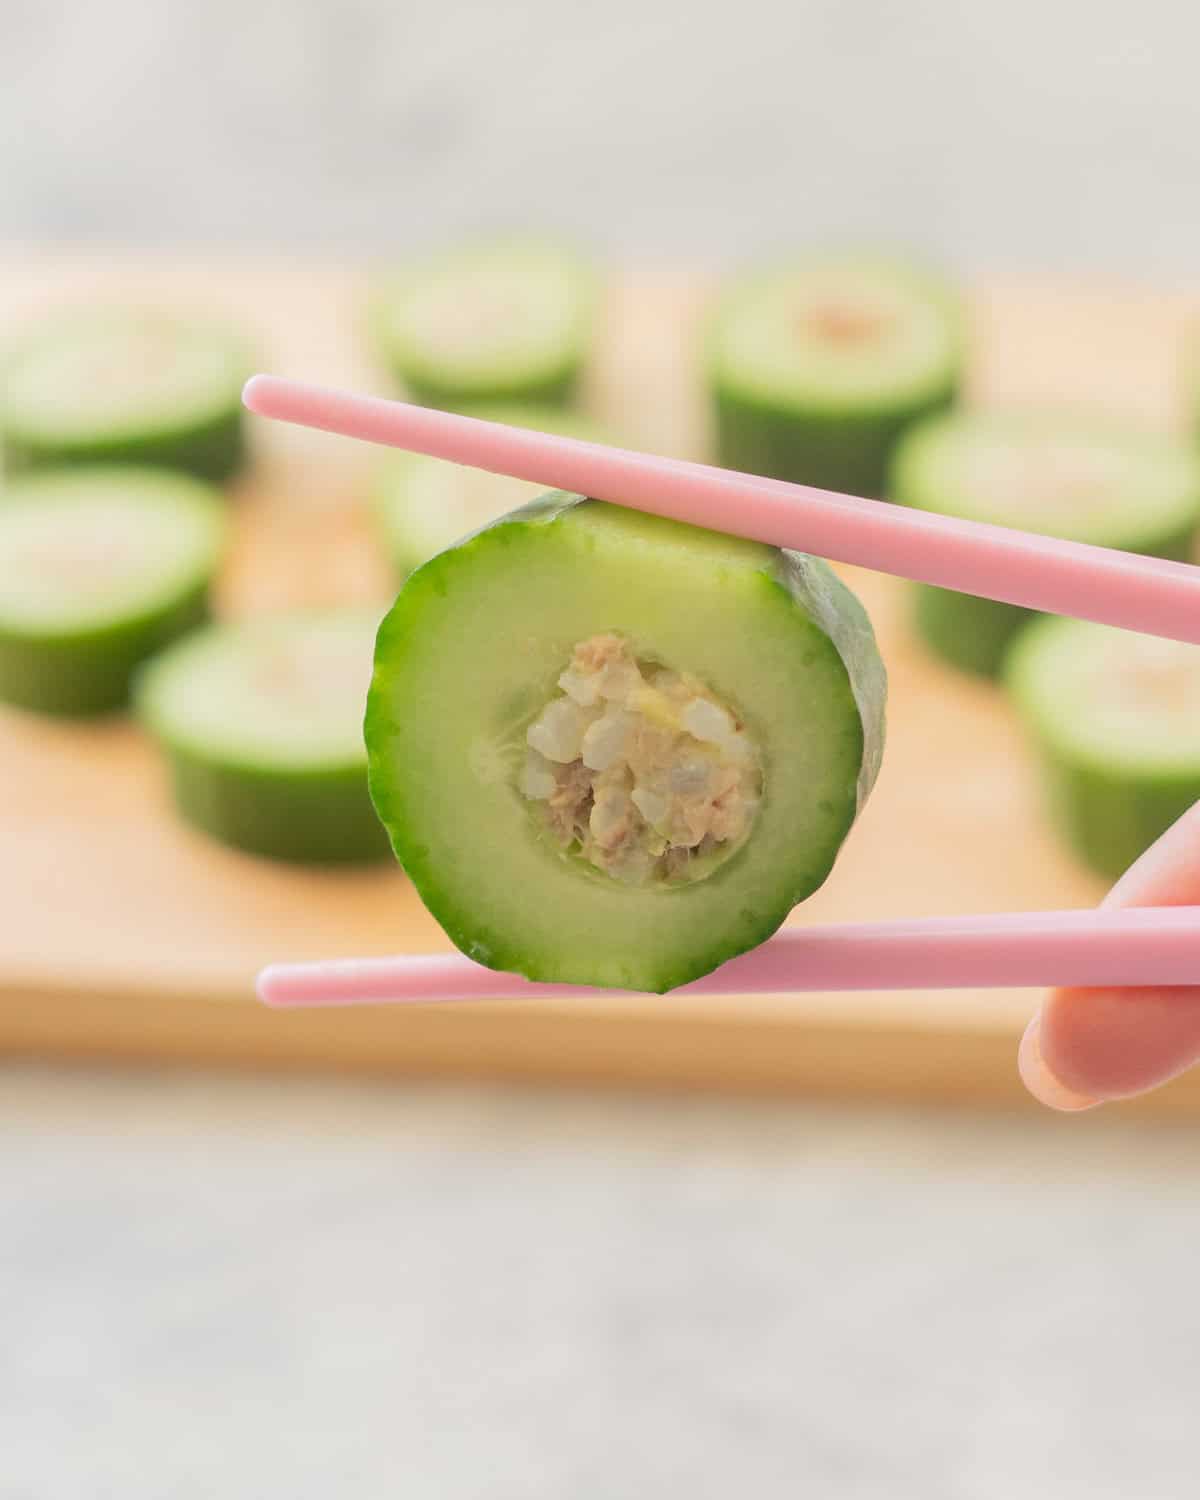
(424, 504)
(1058, 475)
(616, 750)
(261, 725)
(497, 322)
(1116, 717)
(261, 722)
(816, 368)
(99, 568)
(124, 386)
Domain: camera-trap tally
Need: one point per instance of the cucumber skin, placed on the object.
(213, 450)
(304, 817)
(966, 632)
(91, 673)
(1109, 819)
(974, 635)
(849, 452)
(815, 589)
(558, 389)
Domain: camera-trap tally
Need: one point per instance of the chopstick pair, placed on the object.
(1151, 946)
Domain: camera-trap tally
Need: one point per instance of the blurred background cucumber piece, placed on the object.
(128, 386)
(1116, 719)
(99, 568)
(1054, 473)
(424, 505)
(261, 723)
(498, 321)
(817, 367)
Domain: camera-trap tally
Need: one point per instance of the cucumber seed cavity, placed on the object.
(641, 771)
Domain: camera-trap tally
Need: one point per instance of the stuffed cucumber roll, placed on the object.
(119, 385)
(1059, 475)
(616, 750)
(99, 569)
(817, 368)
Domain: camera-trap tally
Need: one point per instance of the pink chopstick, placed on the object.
(1150, 595)
(1155, 946)
(1147, 946)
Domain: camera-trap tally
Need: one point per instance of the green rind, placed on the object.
(91, 672)
(849, 452)
(968, 633)
(1109, 819)
(838, 611)
(799, 593)
(318, 817)
(213, 449)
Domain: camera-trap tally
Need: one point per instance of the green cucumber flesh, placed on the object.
(261, 722)
(493, 322)
(818, 367)
(472, 656)
(99, 569)
(124, 386)
(424, 504)
(1116, 719)
(1042, 472)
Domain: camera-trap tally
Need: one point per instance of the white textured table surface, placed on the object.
(1022, 136)
(254, 1289)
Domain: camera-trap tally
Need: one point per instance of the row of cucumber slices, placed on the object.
(846, 373)
(105, 576)
(840, 373)
(117, 427)
(847, 376)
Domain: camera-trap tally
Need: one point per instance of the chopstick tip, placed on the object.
(254, 393)
(268, 987)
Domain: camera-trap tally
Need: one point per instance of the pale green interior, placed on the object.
(489, 315)
(120, 373)
(472, 653)
(836, 333)
(279, 691)
(1112, 697)
(91, 548)
(1059, 476)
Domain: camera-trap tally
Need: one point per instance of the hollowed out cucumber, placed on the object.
(1116, 719)
(99, 569)
(488, 323)
(261, 723)
(1055, 474)
(817, 368)
(737, 701)
(124, 386)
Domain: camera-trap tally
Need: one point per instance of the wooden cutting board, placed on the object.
(125, 934)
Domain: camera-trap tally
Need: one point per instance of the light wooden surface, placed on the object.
(126, 934)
